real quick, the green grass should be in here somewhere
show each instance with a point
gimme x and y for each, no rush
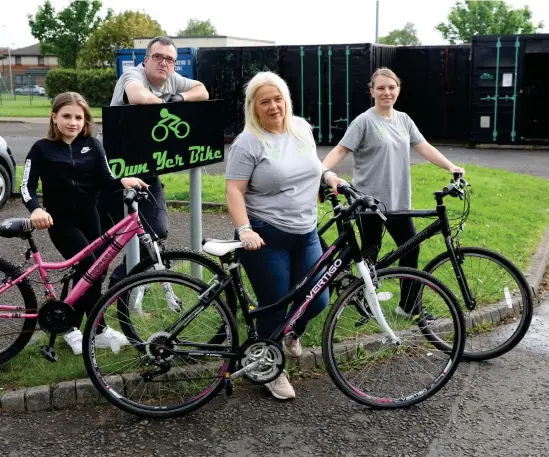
(23, 106)
(509, 213)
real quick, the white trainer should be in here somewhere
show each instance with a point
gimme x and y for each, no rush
(74, 340)
(292, 346)
(110, 338)
(281, 388)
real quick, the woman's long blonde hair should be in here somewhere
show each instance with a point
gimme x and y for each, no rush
(251, 118)
(64, 99)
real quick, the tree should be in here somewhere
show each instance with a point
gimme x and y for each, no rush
(117, 32)
(402, 37)
(470, 18)
(64, 33)
(196, 27)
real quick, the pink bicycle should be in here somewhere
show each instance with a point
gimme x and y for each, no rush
(55, 316)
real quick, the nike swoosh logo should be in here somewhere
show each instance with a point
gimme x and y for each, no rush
(84, 150)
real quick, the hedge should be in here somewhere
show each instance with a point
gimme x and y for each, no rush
(96, 86)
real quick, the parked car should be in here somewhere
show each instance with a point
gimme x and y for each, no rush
(7, 172)
(28, 90)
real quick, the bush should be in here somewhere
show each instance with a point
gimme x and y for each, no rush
(60, 80)
(96, 86)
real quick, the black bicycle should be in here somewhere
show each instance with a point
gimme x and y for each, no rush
(497, 301)
(373, 354)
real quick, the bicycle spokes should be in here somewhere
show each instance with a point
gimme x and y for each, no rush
(157, 368)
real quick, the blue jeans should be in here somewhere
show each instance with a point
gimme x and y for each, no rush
(277, 267)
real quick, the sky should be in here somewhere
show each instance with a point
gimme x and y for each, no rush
(282, 21)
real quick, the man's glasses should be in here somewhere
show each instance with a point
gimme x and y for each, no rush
(158, 58)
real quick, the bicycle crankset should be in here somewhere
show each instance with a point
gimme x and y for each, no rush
(269, 358)
(56, 316)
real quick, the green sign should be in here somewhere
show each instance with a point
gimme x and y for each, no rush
(147, 140)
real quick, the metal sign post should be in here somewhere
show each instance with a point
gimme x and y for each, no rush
(196, 217)
(131, 251)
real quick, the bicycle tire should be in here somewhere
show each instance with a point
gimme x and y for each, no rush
(29, 325)
(526, 297)
(184, 255)
(332, 349)
(112, 392)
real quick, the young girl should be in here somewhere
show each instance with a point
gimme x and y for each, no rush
(72, 167)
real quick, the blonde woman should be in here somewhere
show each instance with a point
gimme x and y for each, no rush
(380, 140)
(272, 180)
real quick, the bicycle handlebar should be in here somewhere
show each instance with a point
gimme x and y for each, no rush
(133, 194)
(357, 199)
(454, 189)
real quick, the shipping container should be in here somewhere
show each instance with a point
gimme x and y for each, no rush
(328, 85)
(185, 65)
(220, 70)
(509, 90)
(383, 56)
(435, 88)
(225, 71)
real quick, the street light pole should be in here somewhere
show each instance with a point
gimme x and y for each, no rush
(11, 77)
(377, 20)
(9, 57)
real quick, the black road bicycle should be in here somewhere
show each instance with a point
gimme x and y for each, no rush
(496, 299)
(178, 360)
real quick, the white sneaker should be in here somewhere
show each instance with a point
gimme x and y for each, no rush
(74, 340)
(281, 388)
(292, 346)
(110, 338)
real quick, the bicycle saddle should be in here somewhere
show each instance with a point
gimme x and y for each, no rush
(220, 247)
(15, 227)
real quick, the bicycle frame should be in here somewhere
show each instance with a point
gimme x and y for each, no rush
(129, 226)
(441, 225)
(345, 245)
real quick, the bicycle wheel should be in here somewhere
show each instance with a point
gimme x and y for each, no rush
(504, 301)
(15, 333)
(147, 376)
(364, 362)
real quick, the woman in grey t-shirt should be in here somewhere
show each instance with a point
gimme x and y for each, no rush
(380, 140)
(272, 181)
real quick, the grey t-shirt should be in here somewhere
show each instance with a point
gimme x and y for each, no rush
(283, 178)
(381, 156)
(174, 85)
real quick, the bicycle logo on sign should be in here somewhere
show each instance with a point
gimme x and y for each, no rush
(169, 122)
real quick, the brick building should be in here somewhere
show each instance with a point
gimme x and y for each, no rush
(28, 66)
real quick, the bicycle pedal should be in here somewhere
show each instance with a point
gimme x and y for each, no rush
(49, 353)
(229, 387)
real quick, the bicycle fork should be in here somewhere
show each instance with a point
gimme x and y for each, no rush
(373, 302)
(136, 297)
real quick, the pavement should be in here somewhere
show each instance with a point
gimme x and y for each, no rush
(496, 408)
